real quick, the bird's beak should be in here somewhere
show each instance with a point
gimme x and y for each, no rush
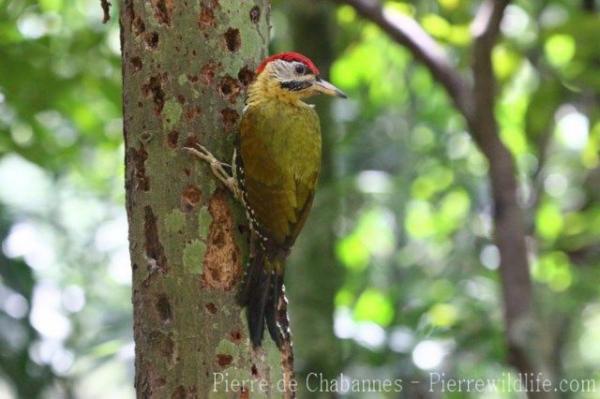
(323, 86)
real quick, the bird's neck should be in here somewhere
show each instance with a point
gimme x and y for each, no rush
(266, 89)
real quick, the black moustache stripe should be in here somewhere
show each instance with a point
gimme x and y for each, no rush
(295, 85)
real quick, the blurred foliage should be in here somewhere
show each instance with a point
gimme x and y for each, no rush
(64, 276)
(419, 289)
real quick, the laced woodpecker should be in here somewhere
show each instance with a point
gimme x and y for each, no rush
(276, 167)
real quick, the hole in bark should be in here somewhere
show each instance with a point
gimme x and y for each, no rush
(206, 18)
(139, 157)
(246, 75)
(208, 72)
(255, 14)
(172, 139)
(236, 336)
(138, 26)
(211, 308)
(220, 271)
(254, 370)
(224, 360)
(181, 99)
(162, 11)
(154, 249)
(154, 89)
(129, 9)
(225, 89)
(136, 62)
(190, 197)
(163, 307)
(152, 40)
(230, 88)
(179, 393)
(191, 140)
(230, 118)
(192, 111)
(233, 39)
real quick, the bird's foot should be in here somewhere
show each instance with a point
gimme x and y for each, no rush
(218, 168)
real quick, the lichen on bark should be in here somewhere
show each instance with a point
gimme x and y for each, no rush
(186, 67)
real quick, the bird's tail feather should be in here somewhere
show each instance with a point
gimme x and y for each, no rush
(263, 286)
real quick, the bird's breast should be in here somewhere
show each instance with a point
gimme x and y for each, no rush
(289, 135)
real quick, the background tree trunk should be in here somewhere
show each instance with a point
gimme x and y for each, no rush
(186, 66)
(313, 265)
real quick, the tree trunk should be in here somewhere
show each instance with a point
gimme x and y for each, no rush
(313, 266)
(186, 67)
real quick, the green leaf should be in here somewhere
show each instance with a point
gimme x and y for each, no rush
(559, 49)
(443, 315)
(549, 221)
(419, 222)
(554, 269)
(373, 236)
(436, 25)
(454, 209)
(352, 252)
(505, 61)
(373, 306)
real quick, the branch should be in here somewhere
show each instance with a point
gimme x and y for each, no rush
(487, 21)
(408, 33)
(485, 29)
(523, 331)
(105, 4)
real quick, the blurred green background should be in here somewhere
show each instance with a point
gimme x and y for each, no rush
(395, 274)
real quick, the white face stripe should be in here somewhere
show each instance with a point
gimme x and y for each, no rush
(285, 71)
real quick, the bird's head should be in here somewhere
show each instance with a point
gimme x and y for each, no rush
(290, 77)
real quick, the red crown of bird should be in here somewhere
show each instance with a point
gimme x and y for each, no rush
(289, 56)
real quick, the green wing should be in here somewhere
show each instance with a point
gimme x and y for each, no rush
(280, 148)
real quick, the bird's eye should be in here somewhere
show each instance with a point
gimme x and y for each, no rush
(300, 69)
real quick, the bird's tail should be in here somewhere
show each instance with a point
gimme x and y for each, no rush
(260, 294)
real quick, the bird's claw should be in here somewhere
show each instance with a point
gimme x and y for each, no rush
(201, 152)
(217, 168)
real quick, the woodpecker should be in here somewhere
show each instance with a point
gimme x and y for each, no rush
(274, 174)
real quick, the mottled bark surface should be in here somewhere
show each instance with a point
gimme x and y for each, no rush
(186, 67)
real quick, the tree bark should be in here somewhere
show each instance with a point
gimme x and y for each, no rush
(186, 67)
